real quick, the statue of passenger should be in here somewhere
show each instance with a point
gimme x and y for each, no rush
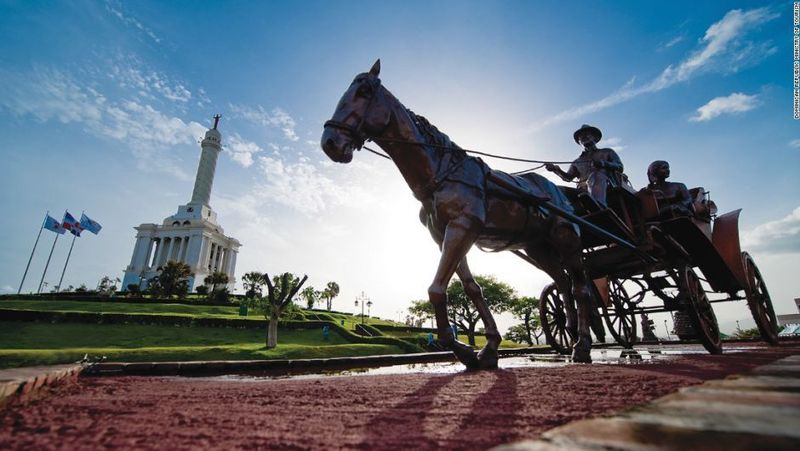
(596, 169)
(673, 198)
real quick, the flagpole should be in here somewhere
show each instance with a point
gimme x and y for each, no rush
(47, 264)
(58, 287)
(28, 266)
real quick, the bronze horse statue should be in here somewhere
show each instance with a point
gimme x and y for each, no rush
(463, 204)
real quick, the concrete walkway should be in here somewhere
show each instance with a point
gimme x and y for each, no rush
(757, 411)
(27, 382)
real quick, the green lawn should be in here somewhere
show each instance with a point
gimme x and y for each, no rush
(209, 311)
(26, 344)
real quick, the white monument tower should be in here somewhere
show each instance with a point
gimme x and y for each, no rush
(192, 235)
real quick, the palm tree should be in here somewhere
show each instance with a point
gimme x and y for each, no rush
(330, 292)
(311, 296)
(172, 279)
(253, 283)
(216, 278)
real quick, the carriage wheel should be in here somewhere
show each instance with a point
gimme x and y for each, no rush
(760, 303)
(700, 312)
(553, 317)
(619, 316)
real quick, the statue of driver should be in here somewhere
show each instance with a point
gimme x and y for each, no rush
(596, 169)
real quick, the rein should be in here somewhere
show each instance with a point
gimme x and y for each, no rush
(440, 146)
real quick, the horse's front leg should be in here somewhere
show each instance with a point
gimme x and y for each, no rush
(581, 350)
(458, 237)
(488, 355)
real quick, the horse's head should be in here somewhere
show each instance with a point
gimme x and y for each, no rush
(360, 115)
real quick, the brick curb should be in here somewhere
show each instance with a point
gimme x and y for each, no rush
(24, 383)
(758, 410)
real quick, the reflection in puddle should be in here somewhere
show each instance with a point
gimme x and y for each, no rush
(605, 356)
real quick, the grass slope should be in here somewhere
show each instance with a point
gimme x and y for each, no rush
(25, 344)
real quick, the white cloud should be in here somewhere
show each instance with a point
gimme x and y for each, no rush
(241, 150)
(127, 19)
(7, 289)
(722, 49)
(779, 237)
(795, 143)
(48, 94)
(674, 41)
(276, 118)
(303, 187)
(130, 73)
(615, 143)
(732, 104)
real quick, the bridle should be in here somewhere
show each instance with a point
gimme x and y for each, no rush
(356, 132)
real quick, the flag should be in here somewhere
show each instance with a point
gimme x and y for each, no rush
(52, 225)
(71, 224)
(89, 224)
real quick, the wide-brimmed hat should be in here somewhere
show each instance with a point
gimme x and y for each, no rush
(587, 129)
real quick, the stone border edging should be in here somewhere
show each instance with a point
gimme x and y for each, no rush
(24, 383)
(757, 410)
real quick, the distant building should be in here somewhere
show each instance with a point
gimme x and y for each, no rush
(192, 235)
(793, 318)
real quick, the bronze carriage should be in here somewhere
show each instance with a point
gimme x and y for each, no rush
(663, 258)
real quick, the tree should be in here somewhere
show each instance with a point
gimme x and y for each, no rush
(134, 290)
(526, 309)
(747, 333)
(420, 311)
(331, 291)
(517, 334)
(253, 283)
(172, 280)
(107, 286)
(280, 291)
(311, 296)
(216, 278)
(499, 297)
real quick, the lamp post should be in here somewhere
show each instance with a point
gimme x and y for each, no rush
(666, 329)
(364, 300)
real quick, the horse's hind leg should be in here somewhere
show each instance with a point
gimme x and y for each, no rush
(569, 245)
(549, 261)
(488, 355)
(459, 236)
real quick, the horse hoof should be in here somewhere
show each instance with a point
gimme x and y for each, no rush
(465, 355)
(488, 359)
(581, 356)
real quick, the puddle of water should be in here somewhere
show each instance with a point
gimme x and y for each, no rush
(607, 356)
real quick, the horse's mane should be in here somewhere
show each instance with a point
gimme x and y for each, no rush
(432, 134)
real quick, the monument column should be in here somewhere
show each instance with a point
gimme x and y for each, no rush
(159, 252)
(211, 146)
(151, 243)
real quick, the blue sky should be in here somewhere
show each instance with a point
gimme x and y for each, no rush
(103, 103)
